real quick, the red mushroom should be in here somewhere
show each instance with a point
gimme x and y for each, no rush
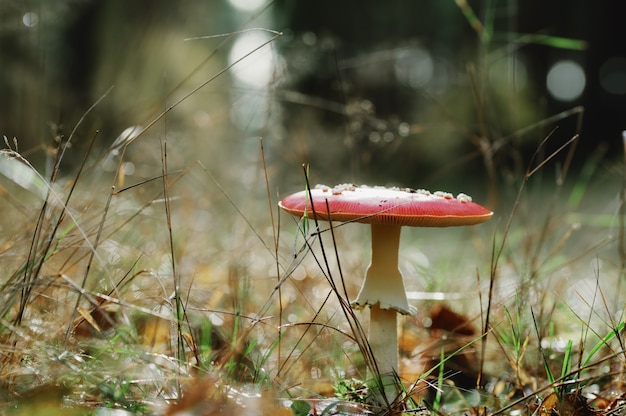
(387, 210)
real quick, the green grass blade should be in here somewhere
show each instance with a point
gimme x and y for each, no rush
(567, 357)
(603, 342)
(437, 401)
(556, 42)
(473, 20)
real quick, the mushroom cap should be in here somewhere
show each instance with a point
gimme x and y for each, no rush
(394, 206)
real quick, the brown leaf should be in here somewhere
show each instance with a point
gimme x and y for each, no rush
(549, 406)
(575, 404)
(87, 316)
(95, 320)
(444, 318)
(572, 404)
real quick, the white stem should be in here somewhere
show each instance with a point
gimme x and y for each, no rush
(383, 340)
(383, 290)
(383, 284)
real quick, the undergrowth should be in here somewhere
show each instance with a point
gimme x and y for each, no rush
(170, 294)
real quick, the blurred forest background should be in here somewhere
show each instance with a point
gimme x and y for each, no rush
(413, 93)
(453, 95)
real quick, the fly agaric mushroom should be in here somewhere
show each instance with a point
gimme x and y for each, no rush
(387, 210)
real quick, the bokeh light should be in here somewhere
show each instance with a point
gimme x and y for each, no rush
(30, 19)
(414, 66)
(252, 77)
(246, 5)
(566, 80)
(613, 75)
(256, 70)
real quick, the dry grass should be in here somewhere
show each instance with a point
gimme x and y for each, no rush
(183, 290)
(131, 298)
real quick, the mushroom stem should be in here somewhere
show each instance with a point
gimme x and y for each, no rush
(383, 283)
(383, 340)
(383, 289)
